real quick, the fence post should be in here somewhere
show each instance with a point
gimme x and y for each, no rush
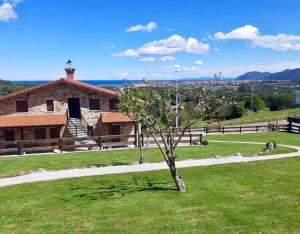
(256, 128)
(60, 144)
(20, 147)
(100, 142)
(201, 138)
(206, 130)
(223, 130)
(191, 139)
(273, 128)
(290, 126)
(240, 129)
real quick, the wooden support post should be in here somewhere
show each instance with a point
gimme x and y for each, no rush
(201, 138)
(206, 130)
(191, 139)
(240, 129)
(256, 128)
(20, 147)
(61, 144)
(100, 142)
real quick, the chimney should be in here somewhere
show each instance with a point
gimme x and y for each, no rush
(70, 73)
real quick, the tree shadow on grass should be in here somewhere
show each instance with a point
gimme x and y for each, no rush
(115, 189)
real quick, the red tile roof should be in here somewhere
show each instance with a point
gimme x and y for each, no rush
(74, 83)
(10, 121)
(115, 117)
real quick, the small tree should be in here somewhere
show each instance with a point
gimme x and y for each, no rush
(152, 108)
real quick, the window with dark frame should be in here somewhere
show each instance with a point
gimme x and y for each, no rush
(54, 133)
(113, 103)
(9, 135)
(50, 105)
(21, 106)
(94, 104)
(40, 133)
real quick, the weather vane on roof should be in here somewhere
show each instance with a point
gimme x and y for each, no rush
(69, 63)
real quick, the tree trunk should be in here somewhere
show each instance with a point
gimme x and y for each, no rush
(176, 176)
(178, 180)
(142, 155)
(142, 151)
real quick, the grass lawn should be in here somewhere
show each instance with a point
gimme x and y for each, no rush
(263, 116)
(257, 197)
(279, 137)
(9, 166)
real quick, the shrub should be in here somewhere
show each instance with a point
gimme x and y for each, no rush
(268, 145)
(204, 142)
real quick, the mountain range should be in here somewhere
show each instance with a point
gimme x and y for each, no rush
(288, 74)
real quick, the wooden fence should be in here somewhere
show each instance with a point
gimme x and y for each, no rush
(192, 136)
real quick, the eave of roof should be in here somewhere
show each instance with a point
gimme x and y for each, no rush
(78, 84)
(115, 117)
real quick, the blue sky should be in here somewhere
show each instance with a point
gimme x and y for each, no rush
(137, 39)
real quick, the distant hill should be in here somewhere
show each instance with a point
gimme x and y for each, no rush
(289, 74)
(255, 75)
(7, 87)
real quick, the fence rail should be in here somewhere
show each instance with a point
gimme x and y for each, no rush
(192, 136)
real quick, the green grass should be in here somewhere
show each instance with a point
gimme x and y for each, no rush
(9, 166)
(257, 197)
(279, 137)
(257, 117)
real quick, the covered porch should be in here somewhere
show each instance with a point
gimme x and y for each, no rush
(31, 127)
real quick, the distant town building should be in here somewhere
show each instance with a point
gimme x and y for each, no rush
(298, 97)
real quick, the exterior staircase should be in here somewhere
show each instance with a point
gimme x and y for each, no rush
(77, 130)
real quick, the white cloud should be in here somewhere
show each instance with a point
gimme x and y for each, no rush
(127, 53)
(146, 28)
(174, 44)
(147, 59)
(179, 68)
(279, 42)
(248, 32)
(227, 70)
(198, 62)
(167, 58)
(7, 12)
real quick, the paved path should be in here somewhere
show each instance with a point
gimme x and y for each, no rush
(74, 173)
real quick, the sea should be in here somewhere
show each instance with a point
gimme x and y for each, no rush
(118, 82)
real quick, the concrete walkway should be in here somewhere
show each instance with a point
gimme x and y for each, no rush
(75, 173)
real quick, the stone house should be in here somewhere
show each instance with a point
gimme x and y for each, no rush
(64, 108)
